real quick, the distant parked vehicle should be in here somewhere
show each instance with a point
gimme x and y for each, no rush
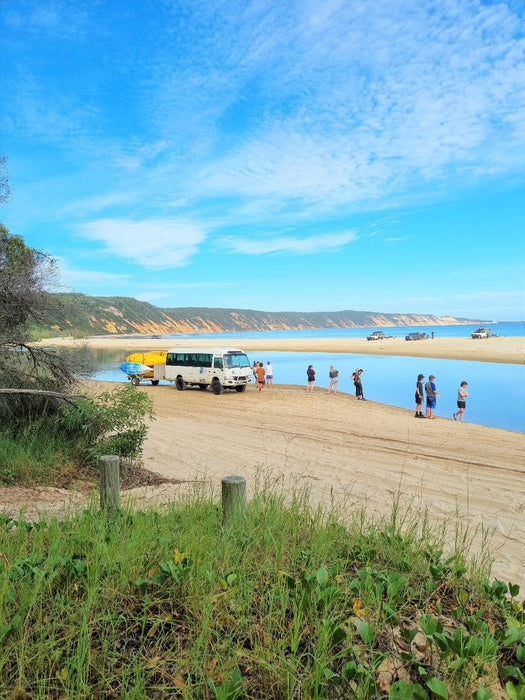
(482, 332)
(378, 335)
(416, 336)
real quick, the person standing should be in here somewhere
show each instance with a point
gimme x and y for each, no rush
(356, 376)
(310, 373)
(462, 402)
(269, 374)
(432, 393)
(419, 396)
(333, 375)
(259, 372)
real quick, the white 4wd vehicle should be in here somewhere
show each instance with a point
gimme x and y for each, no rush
(482, 333)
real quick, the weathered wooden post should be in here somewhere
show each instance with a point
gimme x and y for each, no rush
(109, 482)
(233, 496)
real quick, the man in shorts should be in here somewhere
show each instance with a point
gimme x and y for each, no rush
(431, 392)
(259, 374)
(269, 374)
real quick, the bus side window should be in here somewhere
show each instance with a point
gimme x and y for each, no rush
(217, 362)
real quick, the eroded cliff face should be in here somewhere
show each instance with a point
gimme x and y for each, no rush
(122, 315)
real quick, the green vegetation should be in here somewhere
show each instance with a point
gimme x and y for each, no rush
(79, 315)
(282, 602)
(50, 449)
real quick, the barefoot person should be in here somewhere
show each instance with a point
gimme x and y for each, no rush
(419, 396)
(462, 402)
(356, 376)
(333, 376)
(432, 393)
(310, 373)
(259, 372)
(269, 374)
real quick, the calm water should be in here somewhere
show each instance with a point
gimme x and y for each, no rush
(497, 391)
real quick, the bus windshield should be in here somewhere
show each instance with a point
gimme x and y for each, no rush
(237, 359)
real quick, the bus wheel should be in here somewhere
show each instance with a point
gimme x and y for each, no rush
(154, 382)
(240, 388)
(135, 381)
(180, 384)
(216, 386)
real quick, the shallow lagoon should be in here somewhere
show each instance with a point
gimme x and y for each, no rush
(497, 391)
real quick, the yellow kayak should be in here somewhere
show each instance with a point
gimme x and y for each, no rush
(151, 358)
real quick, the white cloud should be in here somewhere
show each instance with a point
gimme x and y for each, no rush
(153, 243)
(290, 245)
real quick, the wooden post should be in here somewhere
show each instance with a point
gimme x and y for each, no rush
(109, 482)
(233, 496)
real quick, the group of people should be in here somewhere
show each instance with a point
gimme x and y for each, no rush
(262, 376)
(333, 376)
(429, 389)
(426, 390)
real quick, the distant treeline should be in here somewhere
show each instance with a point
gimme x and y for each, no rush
(80, 315)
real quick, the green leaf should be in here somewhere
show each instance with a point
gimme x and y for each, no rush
(322, 576)
(349, 670)
(514, 589)
(438, 688)
(401, 690)
(366, 632)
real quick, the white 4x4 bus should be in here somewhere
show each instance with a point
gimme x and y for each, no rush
(220, 368)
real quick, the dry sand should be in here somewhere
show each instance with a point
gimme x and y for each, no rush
(504, 349)
(364, 453)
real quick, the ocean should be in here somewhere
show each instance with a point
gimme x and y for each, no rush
(497, 391)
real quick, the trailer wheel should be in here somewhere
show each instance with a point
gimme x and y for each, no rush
(135, 381)
(154, 382)
(240, 388)
(216, 386)
(180, 383)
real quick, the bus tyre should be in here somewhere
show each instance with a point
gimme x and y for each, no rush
(240, 388)
(216, 386)
(135, 381)
(180, 383)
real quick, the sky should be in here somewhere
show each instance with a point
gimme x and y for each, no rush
(282, 156)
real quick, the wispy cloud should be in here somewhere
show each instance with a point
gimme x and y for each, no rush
(290, 245)
(152, 243)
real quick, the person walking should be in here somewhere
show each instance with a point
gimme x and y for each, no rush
(432, 393)
(356, 376)
(310, 373)
(259, 372)
(333, 375)
(269, 374)
(419, 396)
(462, 402)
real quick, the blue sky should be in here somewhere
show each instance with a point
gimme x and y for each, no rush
(294, 155)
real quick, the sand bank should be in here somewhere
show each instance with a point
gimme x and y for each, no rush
(504, 349)
(361, 453)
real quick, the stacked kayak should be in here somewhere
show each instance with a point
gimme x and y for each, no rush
(140, 365)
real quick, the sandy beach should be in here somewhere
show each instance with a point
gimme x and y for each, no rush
(361, 453)
(498, 349)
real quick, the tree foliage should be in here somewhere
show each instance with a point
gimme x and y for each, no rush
(24, 275)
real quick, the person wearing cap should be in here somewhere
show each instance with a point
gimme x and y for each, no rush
(431, 392)
(419, 396)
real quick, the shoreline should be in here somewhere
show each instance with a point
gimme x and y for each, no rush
(507, 350)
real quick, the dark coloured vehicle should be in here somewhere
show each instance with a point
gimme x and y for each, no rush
(416, 336)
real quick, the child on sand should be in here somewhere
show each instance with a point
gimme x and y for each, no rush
(431, 392)
(419, 396)
(269, 374)
(462, 401)
(259, 372)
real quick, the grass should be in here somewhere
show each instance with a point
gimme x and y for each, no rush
(284, 601)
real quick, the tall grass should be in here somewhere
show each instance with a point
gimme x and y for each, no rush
(284, 601)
